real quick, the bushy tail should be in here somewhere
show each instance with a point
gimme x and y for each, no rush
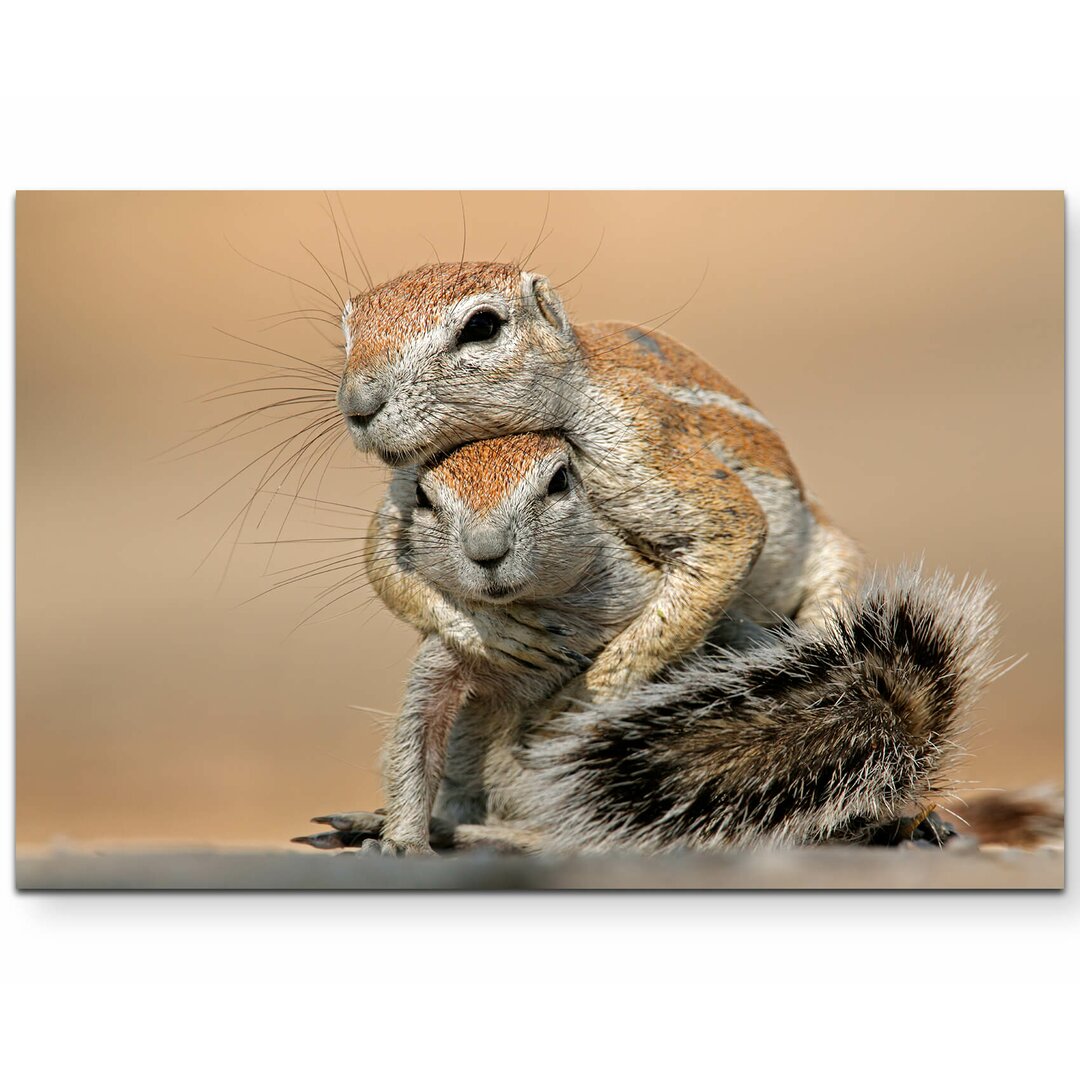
(794, 741)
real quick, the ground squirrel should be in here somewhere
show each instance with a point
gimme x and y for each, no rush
(675, 458)
(497, 554)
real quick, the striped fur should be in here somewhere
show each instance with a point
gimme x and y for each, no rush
(797, 741)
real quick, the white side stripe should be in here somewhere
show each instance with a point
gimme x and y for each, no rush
(695, 395)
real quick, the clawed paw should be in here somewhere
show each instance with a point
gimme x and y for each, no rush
(351, 830)
(514, 638)
(361, 830)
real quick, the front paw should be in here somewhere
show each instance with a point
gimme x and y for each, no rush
(351, 830)
(363, 831)
(513, 639)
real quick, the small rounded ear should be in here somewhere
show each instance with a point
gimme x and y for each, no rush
(538, 293)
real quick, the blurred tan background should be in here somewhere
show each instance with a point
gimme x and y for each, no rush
(909, 346)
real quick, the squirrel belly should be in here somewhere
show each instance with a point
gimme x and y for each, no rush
(792, 742)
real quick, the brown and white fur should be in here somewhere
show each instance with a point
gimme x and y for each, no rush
(499, 556)
(496, 554)
(676, 459)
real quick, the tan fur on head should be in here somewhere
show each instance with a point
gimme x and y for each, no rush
(482, 474)
(388, 316)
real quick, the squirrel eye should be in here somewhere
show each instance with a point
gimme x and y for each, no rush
(482, 326)
(421, 499)
(559, 482)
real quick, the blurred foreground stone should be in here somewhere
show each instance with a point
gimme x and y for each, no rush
(959, 866)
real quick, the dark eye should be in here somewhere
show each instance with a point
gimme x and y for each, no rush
(559, 482)
(482, 326)
(422, 500)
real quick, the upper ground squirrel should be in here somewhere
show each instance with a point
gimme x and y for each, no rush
(497, 554)
(674, 457)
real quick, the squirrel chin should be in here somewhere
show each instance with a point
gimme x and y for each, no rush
(395, 458)
(501, 594)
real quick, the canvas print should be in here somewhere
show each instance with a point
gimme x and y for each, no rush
(540, 540)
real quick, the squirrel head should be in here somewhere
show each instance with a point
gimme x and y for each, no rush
(502, 520)
(454, 352)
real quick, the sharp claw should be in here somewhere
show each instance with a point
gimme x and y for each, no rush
(322, 841)
(576, 656)
(352, 822)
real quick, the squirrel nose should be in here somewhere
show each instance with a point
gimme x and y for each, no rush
(486, 544)
(360, 399)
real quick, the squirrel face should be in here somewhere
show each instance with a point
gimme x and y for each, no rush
(503, 520)
(454, 352)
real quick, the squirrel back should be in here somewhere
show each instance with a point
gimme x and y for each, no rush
(800, 740)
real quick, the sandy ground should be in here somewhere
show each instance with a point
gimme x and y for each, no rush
(960, 866)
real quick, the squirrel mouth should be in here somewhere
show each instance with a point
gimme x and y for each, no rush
(500, 592)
